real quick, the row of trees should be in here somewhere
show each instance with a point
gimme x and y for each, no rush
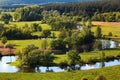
(78, 40)
(108, 17)
(25, 32)
(85, 8)
(28, 13)
(61, 22)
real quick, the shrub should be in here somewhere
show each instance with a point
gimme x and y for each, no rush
(100, 77)
(110, 34)
(84, 78)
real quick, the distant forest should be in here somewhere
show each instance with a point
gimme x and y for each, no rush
(85, 8)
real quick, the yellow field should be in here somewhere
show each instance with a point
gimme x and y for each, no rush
(107, 27)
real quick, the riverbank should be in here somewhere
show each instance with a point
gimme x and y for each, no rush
(111, 73)
(86, 57)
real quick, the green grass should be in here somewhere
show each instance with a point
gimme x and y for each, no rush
(23, 43)
(21, 24)
(88, 55)
(56, 33)
(106, 29)
(111, 73)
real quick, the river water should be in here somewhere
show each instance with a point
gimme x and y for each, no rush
(4, 67)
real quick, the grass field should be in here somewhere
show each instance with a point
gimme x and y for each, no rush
(89, 55)
(23, 43)
(21, 24)
(107, 27)
(111, 73)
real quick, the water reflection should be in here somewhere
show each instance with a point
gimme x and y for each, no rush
(4, 67)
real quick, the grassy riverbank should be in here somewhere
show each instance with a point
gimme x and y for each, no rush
(111, 73)
(87, 57)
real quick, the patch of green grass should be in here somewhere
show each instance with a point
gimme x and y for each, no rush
(88, 55)
(111, 73)
(106, 29)
(21, 24)
(22, 43)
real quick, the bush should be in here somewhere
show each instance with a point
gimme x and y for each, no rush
(84, 78)
(110, 34)
(100, 77)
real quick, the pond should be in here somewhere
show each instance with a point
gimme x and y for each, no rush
(4, 67)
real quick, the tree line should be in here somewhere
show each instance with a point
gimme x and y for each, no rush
(85, 8)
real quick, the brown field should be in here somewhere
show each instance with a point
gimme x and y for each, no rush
(106, 23)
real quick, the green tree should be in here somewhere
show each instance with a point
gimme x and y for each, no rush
(46, 33)
(44, 44)
(98, 33)
(6, 18)
(58, 45)
(73, 58)
(1, 28)
(89, 23)
(35, 27)
(47, 58)
(4, 40)
(25, 53)
(34, 58)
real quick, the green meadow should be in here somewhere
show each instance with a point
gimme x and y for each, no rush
(22, 43)
(86, 56)
(110, 73)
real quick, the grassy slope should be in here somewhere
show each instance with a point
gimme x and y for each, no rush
(111, 73)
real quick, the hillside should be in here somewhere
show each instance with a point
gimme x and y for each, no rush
(11, 2)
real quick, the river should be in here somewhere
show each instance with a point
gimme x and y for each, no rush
(4, 67)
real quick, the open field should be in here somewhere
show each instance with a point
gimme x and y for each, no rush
(21, 24)
(107, 27)
(111, 73)
(22, 43)
(106, 23)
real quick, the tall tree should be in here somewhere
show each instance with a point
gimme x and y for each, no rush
(73, 58)
(4, 40)
(98, 33)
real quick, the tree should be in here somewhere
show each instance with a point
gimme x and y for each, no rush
(98, 33)
(44, 44)
(46, 33)
(34, 58)
(24, 54)
(6, 18)
(89, 23)
(73, 58)
(1, 28)
(4, 40)
(35, 27)
(58, 45)
(47, 58)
